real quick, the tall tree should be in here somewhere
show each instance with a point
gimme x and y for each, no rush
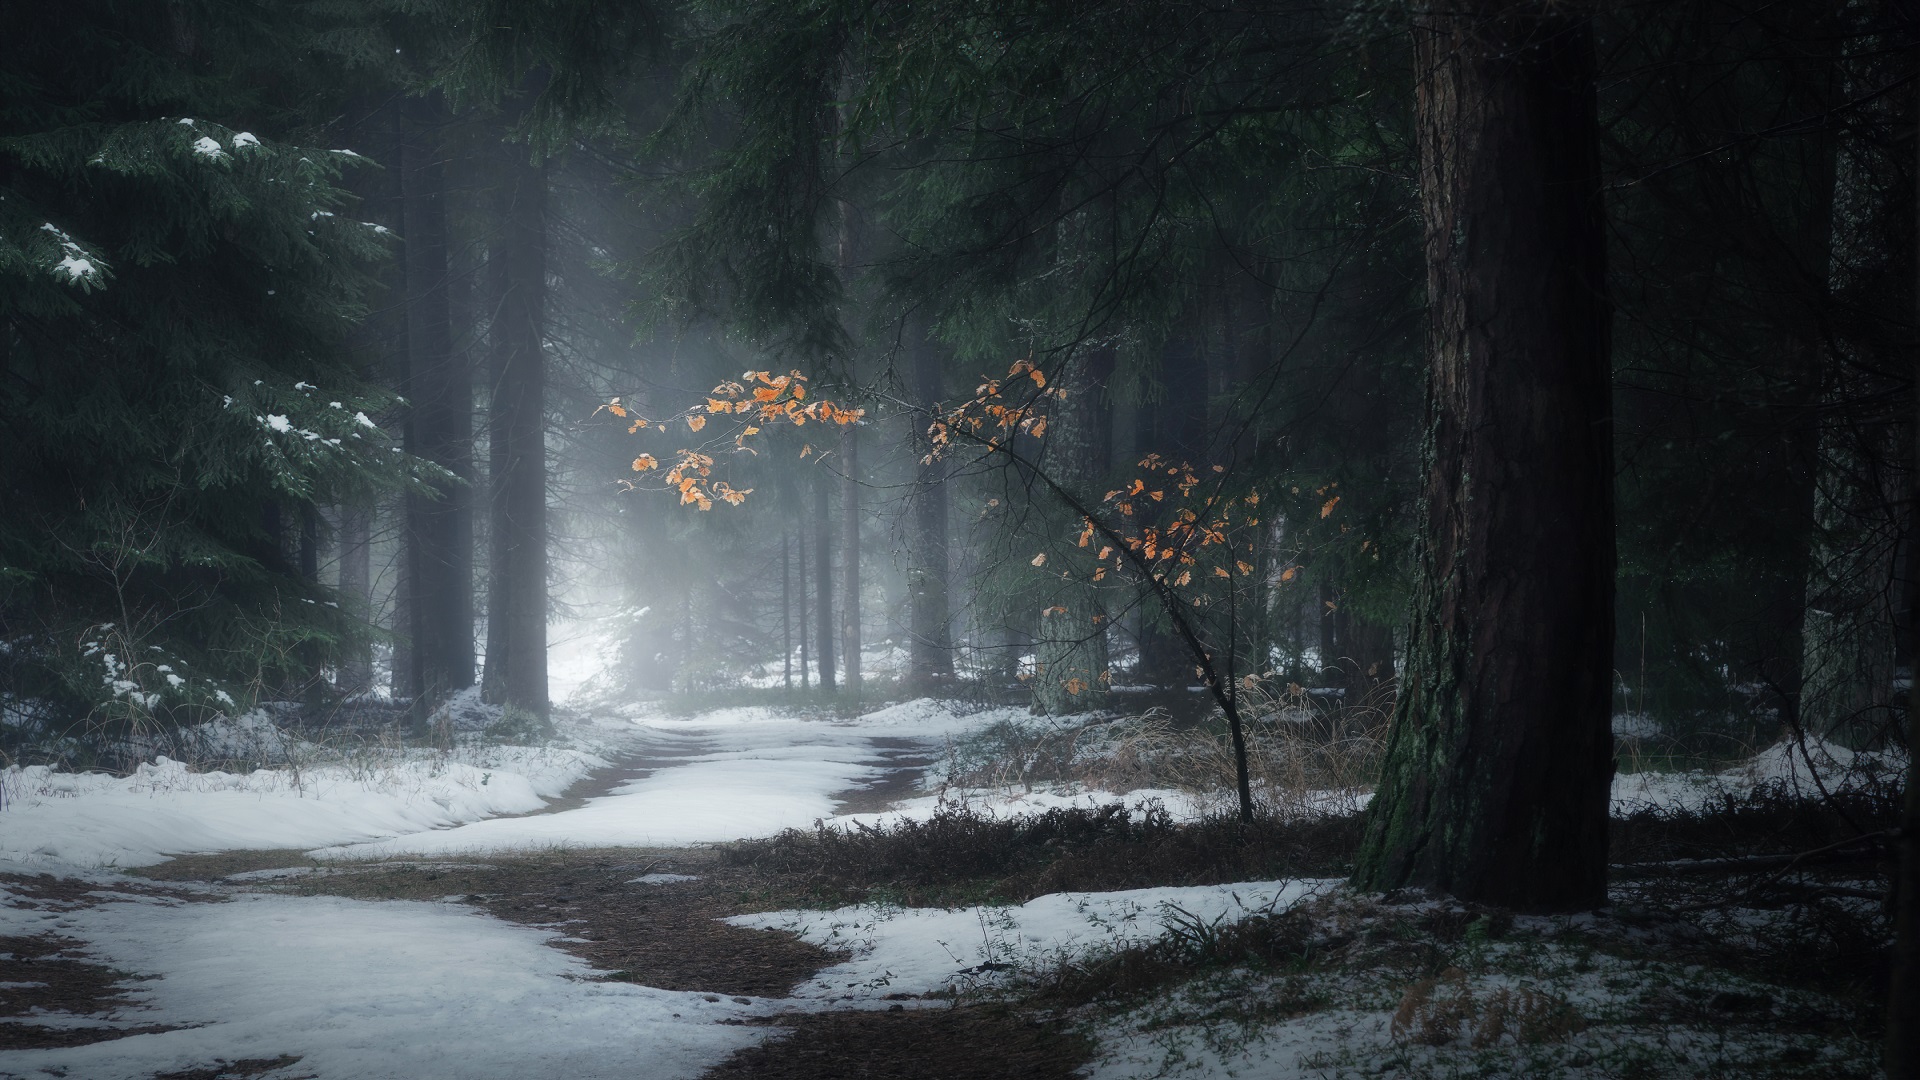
(823, 577)
(930, 648)
(439, 425)
(1499, 761)
(850, 484)
(516, 673)
(1072, 669)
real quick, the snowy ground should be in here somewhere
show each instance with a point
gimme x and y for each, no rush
(409, 989)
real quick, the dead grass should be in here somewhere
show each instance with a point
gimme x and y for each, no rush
(983, 1042)
(961, 856)
(1306, 755)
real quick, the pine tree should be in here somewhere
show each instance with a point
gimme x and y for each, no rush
(179, 277)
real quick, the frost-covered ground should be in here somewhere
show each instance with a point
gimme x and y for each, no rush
(366, 991)
(923, 951)
(362, 989)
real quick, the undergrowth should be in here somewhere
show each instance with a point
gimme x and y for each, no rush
(960, 855)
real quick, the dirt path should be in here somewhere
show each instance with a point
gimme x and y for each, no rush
(647, 916)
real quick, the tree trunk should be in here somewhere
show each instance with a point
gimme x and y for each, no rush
(1495, 787)
(805, 678)
(850, 558)
(1903, 983)
(823, 577)
(930, 660)
(516, 418)
(1848, 636)
(1178, 433)
(786, 611)
(439, 422)
(356, 594)
(1072, 670)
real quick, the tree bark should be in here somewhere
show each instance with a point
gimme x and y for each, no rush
(823, 578)
(517, 592)
(1903, 983)
(439, 422)
(930, 659)
(356, 594)
(1072, 668)
(1495, 787)
(850, 558)
(1178, 433)
(805, 678)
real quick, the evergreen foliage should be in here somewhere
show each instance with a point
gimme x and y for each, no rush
(179, 273)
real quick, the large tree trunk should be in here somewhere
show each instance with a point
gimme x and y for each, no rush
(516, 418)
(439, 423)
(823, 577)
(1848, 636)
(930, 652)
(1903, 984)
(1072, 671)
(1495, 787)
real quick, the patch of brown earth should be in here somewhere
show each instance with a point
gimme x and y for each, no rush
(907, 760)
(984, 1042)
(662, 935)
(244, 1069)
(44, 974)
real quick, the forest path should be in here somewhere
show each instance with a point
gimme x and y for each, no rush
(580, 940)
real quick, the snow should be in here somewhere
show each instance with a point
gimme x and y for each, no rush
(95, 820)
(244, 138)
(75, 268)
(208, 147)
(277, 422)
(369, 991)
(930, 950)
(734, 772)
(1782, 764)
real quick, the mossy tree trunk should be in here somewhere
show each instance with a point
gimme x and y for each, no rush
(1496, 781)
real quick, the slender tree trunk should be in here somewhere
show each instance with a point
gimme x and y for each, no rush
(517, 595)
(1498, 766)
(805, 679)
(1072, 669)
(1178, 433)
(930, 660)
(823, 577)
(356, 594)
(440, 391)
(850, 558)
(786, 611)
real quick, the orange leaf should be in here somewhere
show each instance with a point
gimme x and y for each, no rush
(617, 409)
(1245, 567)
(1288, 573)
(1218, 572)
(1328, 507)
(645, 462)
(1040, 559)
(696, 422)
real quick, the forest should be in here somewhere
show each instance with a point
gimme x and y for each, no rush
(958, 540)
